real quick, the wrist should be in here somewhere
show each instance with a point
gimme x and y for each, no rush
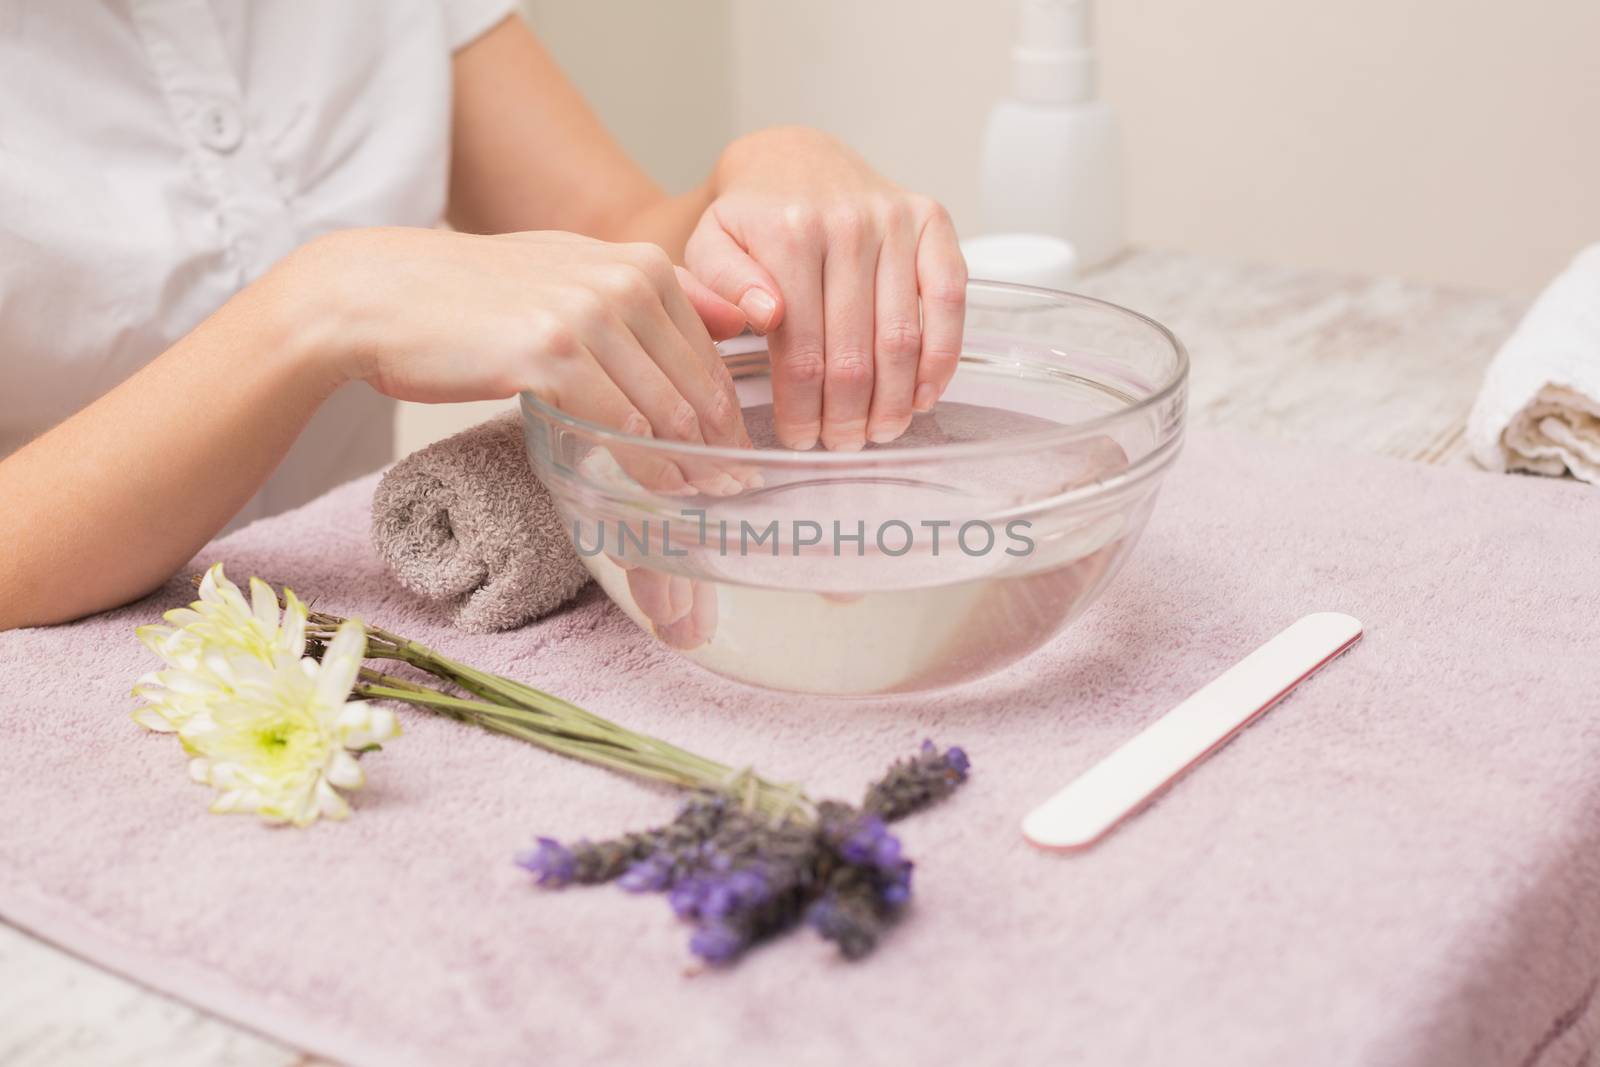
(314, 321)
(775, 144)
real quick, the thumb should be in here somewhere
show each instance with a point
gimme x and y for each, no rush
(723, 320)
(723, 264)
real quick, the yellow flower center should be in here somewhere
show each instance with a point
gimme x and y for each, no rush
(288, 741)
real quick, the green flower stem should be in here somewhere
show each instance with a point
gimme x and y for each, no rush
(486, 685)
(505, 692)
(393, 688)
(511, 707)
(539, 718)
(499, 689)
(491, 717)
(520, 711)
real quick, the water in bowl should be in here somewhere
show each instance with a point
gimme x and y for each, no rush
(838, 599)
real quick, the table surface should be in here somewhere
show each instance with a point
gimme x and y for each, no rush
(1374, 365)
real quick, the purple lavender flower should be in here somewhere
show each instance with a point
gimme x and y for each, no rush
(587, 863)
(886, 853)
(741, 878)
(748, 885)
(913, 784)
(649, 875)
(716, 899)
(861, 839)
(823, 913)
(551, 862)
(847, 921)
(718, 896)
(860, 845)
(895, 892)
(755, 879)
(717, 942)
(686, 897)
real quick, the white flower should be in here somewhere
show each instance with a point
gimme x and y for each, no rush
(274, 731)
(284, 752)
(219, 646)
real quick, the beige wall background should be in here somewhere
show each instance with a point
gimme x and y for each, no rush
(1442, 140)
(1445, 140)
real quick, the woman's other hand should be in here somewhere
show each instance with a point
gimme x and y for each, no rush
(611, 333)
(860, 284)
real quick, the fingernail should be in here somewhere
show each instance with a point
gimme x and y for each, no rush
(759, 307)
(725, 485)
(753, 480)
(802, 442)
(680, 598)
(927, 396)
(669, 481)
(883, 433)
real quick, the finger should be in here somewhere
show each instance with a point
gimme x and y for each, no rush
(662, 598)
(575, 383)
(897, 333)
(847, 298)
(942, 284)
(796, 349)
(722, 320)
(724, 265)
(703, 377)
(698, 625)
(695, 377)
(622, 355)
(637, 357)
(646, 291)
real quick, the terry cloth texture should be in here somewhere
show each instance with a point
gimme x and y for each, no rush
(465, 521)
(1399, 864)
(1539, 409)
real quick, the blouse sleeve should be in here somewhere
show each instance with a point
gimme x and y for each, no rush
(467, 20)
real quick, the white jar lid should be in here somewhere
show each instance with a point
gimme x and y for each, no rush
(1021, 258)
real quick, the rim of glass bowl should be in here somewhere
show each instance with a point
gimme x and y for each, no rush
(916, 453)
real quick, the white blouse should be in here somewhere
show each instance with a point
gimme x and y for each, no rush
(158, 155)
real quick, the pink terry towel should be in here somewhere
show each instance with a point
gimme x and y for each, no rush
(1398, 865)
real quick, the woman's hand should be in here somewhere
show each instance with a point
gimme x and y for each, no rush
(861, 285)
(611, 333)
(111, 502)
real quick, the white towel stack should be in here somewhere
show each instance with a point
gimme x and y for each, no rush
(1539, 409)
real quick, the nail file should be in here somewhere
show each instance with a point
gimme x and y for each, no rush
(1123, 782)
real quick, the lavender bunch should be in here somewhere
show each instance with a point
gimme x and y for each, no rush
(741, 876)
(745, 859)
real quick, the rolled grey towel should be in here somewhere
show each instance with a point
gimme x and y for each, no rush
(465, 520)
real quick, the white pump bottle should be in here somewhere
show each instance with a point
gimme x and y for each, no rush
(1050, 160)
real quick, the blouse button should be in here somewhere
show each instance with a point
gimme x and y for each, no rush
(221, 129)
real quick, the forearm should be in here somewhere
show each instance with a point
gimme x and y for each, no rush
(666, 222)
(107, 505)
(528, 153)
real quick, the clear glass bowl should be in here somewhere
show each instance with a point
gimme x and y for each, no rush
(926, 562)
